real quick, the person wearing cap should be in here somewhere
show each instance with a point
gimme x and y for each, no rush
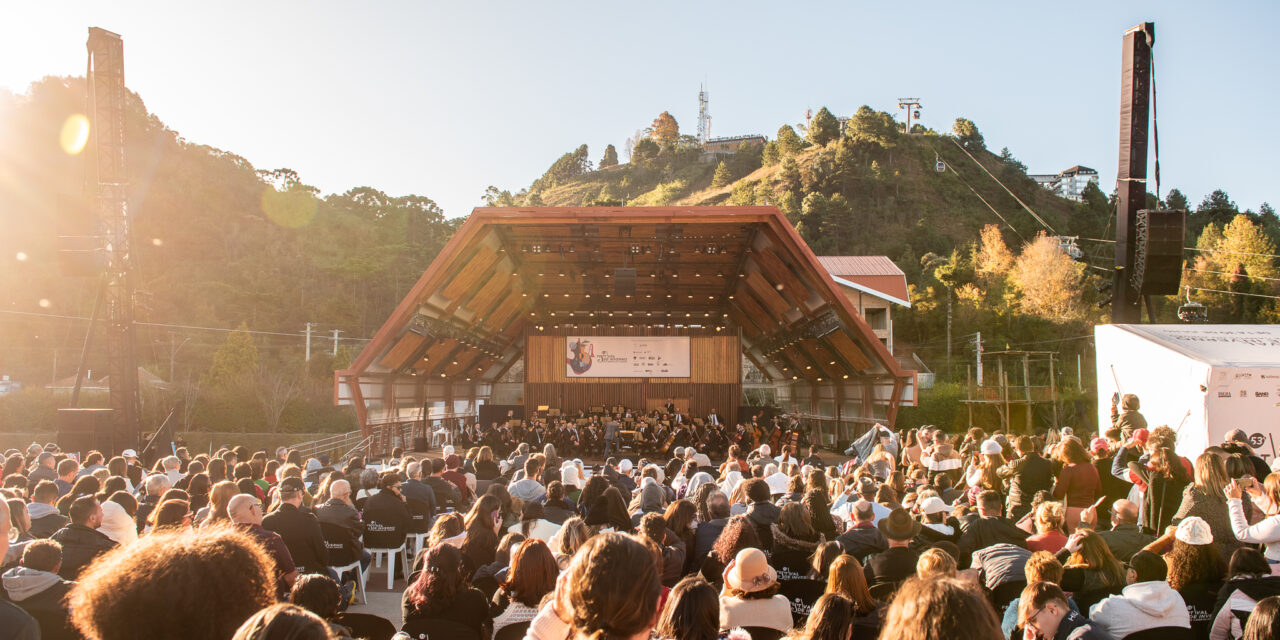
(1196, 571)
(1124, 414)
(750, 597)
(863, 538)
(299, 530)
(1146, 603)
(981, 474)
(887, 569)
(934, 518)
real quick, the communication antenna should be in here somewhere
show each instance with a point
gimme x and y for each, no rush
(704, 115)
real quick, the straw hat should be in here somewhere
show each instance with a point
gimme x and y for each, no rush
(750, 572)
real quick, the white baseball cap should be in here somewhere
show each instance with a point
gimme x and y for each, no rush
(1194, 530)
(932, 505)
(128, 453)
(990, 447)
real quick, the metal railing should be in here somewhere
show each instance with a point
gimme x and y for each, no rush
(338, 447)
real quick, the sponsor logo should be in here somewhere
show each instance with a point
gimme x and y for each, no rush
(1224, 394)
(1244, 394)
(1240, 376)
(1261, 394)
(1257, 440)
(1267, 376)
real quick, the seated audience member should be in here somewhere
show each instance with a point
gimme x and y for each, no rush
(863, 538)
(986, 528)
(794, 541)
(300, 530)
(40, 591)
(706, 533)
(1001, 569)
(320, 595)
(441, 593)
(1090, 572)
(887, 569)
(761, 510)
(1249, 579)
(1049, 521)
(340, 511)
(245, 510)
(173, 586)
(534, 523)
(935, 563)
(1196, 571)
(117, 524)
(414, 488)
(386, 517)
(284, 622)
(1043, 610)
(610, 590)
(446, 493)
(528, 488)
(45, 518)
(155, 486)
(845, 577)
(1146, 603)
(691, 612)
(1123, 538)
(81, 541)
(1042, 566)
(532, 575)
(556, 507)
(737, 535)
(832, 618)
(454, 475)
(1264, 622)
(940, 609)
(750, 597)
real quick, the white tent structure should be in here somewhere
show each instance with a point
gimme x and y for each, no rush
(1202, 380)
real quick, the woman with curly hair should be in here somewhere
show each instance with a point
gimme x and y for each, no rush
(1196, 570)
(190, 587)
(820, 512)
(441, 593)
(591, 492)
(738, 534)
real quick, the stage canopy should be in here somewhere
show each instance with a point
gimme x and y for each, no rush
(511, 271)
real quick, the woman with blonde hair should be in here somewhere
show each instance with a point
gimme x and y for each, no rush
(1049, 519)
(935, 563)
(572, 535)
(219, 497)
(1206, 499)
(981, 473)
(1091, 573)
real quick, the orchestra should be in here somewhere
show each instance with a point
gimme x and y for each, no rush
(659, 430)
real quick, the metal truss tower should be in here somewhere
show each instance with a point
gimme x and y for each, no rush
(704, 115)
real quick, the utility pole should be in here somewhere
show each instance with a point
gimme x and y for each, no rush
(335, 341)
(977, 339)
(308, 342)
(909, 104)
(173, 355)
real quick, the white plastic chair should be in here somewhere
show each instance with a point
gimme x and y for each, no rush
(391, 559)
(362, 576)
(413, 543)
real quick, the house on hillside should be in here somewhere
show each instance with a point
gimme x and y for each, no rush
(874, 284)
(717, 148)
(1070, 183)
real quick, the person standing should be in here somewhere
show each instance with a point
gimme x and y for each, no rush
(1028, 474)
(610, 437)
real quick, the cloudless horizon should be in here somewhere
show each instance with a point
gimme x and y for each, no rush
(445, 99)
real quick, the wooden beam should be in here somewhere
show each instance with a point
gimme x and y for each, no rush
(402, 352)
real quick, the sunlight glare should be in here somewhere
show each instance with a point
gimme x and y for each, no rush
(44, 303)
(75, 133)
(22, 256)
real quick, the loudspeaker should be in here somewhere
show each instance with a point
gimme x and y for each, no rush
(624, 281)
(80, 430)
(1157, 251)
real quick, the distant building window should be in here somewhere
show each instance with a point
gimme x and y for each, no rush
(878, 319)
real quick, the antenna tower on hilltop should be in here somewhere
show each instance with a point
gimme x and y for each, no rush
(704, 115)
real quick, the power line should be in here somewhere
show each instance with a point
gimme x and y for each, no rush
(1240, 253)
(1015, 197)
(174, 326)
(1235, 275)
(984, 200)
(1236, 293)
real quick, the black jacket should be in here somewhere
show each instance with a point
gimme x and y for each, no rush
(386, 520)
(344, 515)
(80, 545)
(50, 612)
(1125, 540)
(1027, 475)
(861, 542)
(301, 533)
(763, 515)
(977, 532)
(891, 566)
(446, 493)
(704, 537)
(45, 526)
(1162, 498)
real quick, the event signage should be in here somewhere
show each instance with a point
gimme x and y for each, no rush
(627, 357)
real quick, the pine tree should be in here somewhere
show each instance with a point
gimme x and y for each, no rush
(823, 128)
(788, 142)
(235, 362)
(722, 176)
(968, 135)
(610, 158)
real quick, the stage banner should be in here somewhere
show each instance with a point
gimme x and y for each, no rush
(627, 357)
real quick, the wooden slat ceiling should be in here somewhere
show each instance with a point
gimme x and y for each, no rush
(524, 270)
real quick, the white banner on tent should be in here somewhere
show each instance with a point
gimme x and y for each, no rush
(627, 357)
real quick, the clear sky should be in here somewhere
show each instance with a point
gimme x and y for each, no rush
(444, 99)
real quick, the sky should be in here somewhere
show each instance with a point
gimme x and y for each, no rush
(445, 99)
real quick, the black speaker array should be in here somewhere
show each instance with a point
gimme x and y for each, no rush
(1157, 254)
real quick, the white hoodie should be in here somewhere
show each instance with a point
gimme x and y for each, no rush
(1142, 605)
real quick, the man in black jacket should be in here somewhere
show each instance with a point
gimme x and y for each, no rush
(81, 541)
(299, 530)
(45, 519)
(1123, 538)
(1027, 475)
(446, 493)
(340, 511)
(704, 537)
(762, 512)
(39, 590)
(863, 538)
(987, 528)
(886, 570)
(385, 515)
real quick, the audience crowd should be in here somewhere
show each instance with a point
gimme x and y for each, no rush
(915, 535)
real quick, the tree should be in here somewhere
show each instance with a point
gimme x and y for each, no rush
(869, 125)
(235, 362)
(1175, 200)
(968, 135)
(722, 176)
(498, 198)
(770, 155)
(1048, 281)
(788, 142)
(610, 158)
(665, 130)
(993, 260)
(823, 128)
(274, 391)
(644, 152)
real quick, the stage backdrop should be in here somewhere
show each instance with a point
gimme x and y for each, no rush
(712, 379)
(627, 357)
